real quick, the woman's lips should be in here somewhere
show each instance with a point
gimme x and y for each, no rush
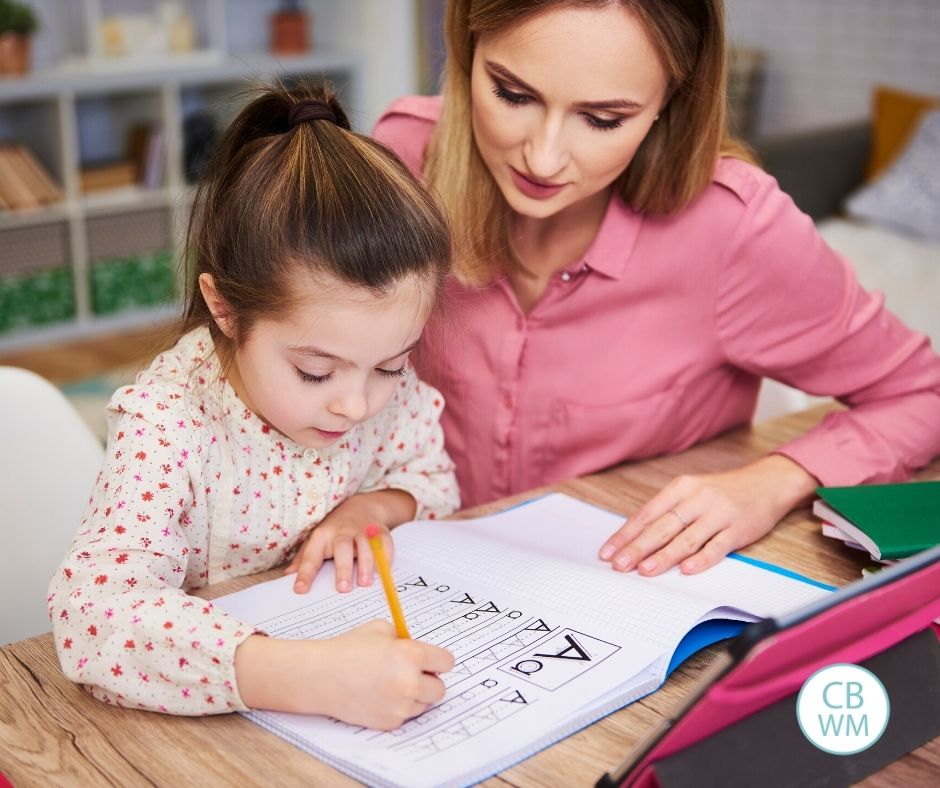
(537, 190)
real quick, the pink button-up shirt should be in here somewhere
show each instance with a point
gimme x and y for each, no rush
(658, 339)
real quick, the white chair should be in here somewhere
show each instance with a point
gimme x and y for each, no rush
(48, 463)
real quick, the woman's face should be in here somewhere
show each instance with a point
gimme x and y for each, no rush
(561, 102)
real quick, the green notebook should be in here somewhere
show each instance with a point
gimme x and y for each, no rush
(899, 519)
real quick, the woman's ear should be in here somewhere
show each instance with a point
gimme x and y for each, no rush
(217, 307)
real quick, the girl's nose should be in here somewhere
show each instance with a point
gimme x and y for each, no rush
(353, 406)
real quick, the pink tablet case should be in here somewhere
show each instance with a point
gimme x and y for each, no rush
(777, 666)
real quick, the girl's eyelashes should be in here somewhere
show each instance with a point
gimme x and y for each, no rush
(521, 99)
(306, 377)
(394, 373)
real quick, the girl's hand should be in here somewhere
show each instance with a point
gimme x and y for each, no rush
(695, 521)
(366, 676)
(341, 536)
(382, 680)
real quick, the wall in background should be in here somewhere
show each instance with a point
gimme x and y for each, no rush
(824, 56)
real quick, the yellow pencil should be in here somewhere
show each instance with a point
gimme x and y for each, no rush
(385, 572)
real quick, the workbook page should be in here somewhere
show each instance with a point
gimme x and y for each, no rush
(546, 637)
(525, 674)
(548, 548)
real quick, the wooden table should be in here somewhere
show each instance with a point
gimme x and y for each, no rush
(52, 733)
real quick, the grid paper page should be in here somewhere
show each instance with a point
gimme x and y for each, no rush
(542, 645)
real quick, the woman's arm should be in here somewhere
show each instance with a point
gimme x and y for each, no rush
(788, 307)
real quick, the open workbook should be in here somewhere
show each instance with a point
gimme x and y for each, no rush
(546, 637)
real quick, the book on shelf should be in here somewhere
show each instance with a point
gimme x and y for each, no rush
(146, 147)
(546, 637)
(24, 182)
(142, 165)
(890, 521)
(108, 175)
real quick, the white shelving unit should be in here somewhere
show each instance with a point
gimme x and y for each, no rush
(71, 112)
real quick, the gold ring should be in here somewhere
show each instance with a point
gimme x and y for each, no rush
(685, 523)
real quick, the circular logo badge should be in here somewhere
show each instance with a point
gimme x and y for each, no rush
(843, 709)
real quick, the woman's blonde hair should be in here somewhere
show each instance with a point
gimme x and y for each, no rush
(291, 187)
(672, 166)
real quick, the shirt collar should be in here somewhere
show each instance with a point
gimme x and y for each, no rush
(615, 239)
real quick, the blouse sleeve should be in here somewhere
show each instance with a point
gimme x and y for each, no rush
(410, 455)
(789, 308)
(122, 623)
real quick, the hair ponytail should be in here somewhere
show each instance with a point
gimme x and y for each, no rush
(291, 186)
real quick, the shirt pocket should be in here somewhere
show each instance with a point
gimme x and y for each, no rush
(586, 437)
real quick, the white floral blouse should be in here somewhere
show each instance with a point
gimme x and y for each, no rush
(196, 489)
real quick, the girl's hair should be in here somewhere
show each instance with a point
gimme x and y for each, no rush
(672, 166)
(291, 188)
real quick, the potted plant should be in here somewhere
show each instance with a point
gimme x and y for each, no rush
(17, 24)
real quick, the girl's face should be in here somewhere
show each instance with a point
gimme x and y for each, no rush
(334, 361)
(561, 102)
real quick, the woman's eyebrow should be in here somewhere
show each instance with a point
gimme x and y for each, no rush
(610, 104)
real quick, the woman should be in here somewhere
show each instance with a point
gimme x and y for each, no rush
(627, 277)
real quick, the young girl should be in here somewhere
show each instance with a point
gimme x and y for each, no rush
(287, 406)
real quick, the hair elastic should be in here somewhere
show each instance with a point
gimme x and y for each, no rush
(310, 109)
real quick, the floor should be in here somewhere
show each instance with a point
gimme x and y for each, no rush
(69, 362)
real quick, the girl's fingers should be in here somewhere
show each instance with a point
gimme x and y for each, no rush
(313, 543)
(389, 545)
(364, 560)
(343, 552)
(417, 709)
(308, 565)
(430, 689)
(294, 563)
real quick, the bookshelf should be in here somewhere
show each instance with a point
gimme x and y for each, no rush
(103, 260)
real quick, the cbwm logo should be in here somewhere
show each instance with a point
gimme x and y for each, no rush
(843, 709)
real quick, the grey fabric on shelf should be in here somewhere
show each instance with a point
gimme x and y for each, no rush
(818, 169)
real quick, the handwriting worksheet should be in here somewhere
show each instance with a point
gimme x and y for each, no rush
(543, 645)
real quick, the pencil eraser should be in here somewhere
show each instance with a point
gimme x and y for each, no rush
(372, 531)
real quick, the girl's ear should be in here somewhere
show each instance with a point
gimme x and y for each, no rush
(217, 307)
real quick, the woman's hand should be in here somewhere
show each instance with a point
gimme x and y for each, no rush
(366, 676)
(341, 536)
(695, 521)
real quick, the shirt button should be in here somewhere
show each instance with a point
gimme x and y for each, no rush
(311, 455)
(565, 276)
(313, 496)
